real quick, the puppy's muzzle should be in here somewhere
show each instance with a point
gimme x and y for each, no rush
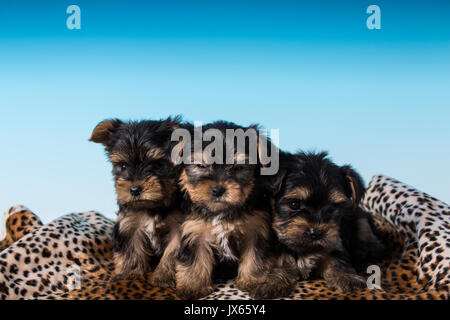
(217, 191)
(135, 190)
(315, 234)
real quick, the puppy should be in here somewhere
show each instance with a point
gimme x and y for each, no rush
(320, 228)
(146, 185)
(228, 220)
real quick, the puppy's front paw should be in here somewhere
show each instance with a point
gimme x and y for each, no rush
(276, 284)
(163, 278)
(192, 293)
(245, 285)
(347, 282)
(305, 273)
(270, 290)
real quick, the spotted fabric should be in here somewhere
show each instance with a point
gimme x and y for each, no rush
(71, 257)
(19, 222)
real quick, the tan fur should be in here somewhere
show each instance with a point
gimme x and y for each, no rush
(152, 190)
(249, 270)
(199, 193)
(117, 157)
(235, 194)
(128, 267)
(260, 277)
(102, 132)
(296, 227)
(134, 261)
(340, 276)
(276, 279)
(216, 233)
(292, 229)
(164, 274)
(301, 193)
(143, 229)
(195, 280)
(156, 153)
(338, 197)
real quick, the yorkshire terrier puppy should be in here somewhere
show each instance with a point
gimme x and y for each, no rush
(149, 217)
(317, 220)
(228, 220)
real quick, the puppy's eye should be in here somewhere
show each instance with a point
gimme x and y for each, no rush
(123, 167)
(294, 204)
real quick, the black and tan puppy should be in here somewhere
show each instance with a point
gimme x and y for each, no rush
(148, 222)
(228, 220)
(320, 228)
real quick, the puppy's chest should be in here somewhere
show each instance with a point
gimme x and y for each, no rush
(149, 229)
(155, 230)
(226, 240)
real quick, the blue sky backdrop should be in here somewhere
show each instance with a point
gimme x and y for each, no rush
(378, 99)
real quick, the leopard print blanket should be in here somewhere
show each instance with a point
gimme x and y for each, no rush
(71, 257)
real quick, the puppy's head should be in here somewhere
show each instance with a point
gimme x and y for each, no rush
(224, 186)
(311, 194)
(139, 152)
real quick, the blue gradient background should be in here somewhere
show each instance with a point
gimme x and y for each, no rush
(378, 99)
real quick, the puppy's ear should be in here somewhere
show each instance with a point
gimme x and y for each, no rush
(354, 184)
(275, 182)
(103, 131)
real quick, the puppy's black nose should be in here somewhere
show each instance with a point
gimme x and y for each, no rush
(315, 234)
(135, 190)
(217, 191)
